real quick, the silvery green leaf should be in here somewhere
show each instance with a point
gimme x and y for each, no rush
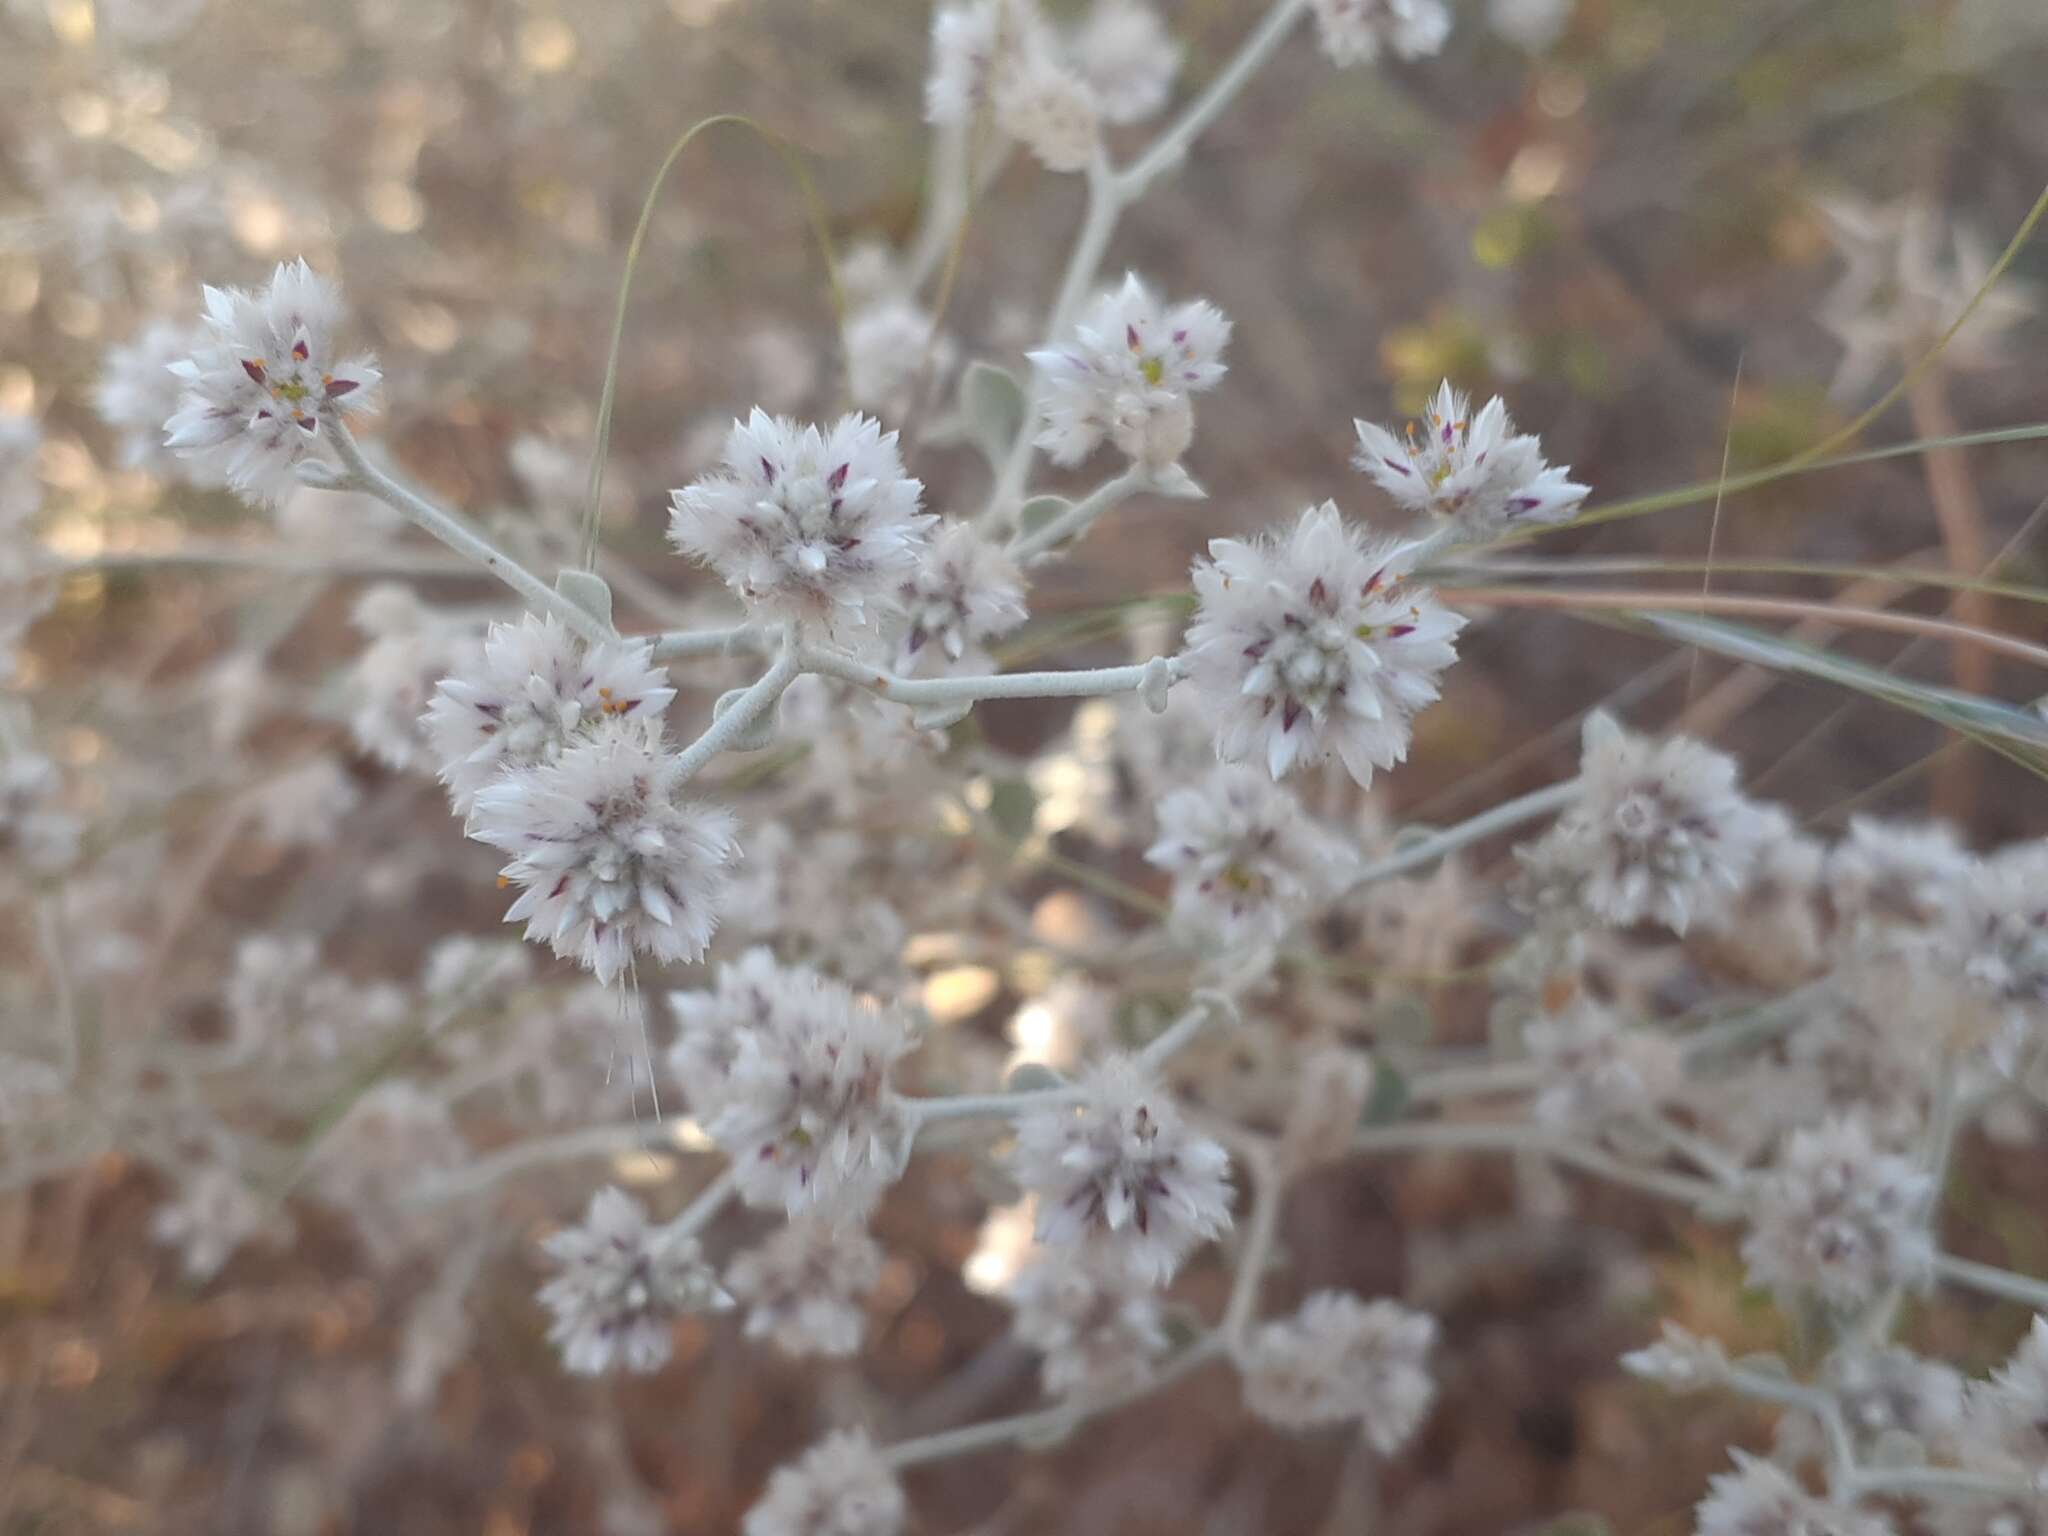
(993, 404)
(587, 590)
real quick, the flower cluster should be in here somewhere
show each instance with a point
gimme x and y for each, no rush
(792, 1071)
(1095, 1326)
(1840, 1220)
(804, 1285)
(1475, 472)
(804, 523)
(1128, 374)
(1355, 31)
(966, 590)
(1123, 1174)
(1342, 1358)
(533, 690)
(840, 1487)
(1661, 832)
(608, 861)
(265, 380)
(1002, 65)
(1312, 645)
(1248, 862)
(623, 1283)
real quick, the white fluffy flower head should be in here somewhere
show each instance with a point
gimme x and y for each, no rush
(1310, 645)
(1342, 1358)
(965, 590)
(623, 1282)
(1247, 860)
(1661, 832)
(534, 689)
(806, 1111)
(839, 1487)
(606, 859)
(1096, 1325)
(1124, 1174)
(803, 522)
(803, 1287)
(258, 391)
(1838, 1219)
(1476, 472)
(138, 393)
(1355, 31)
(1760, 1498)
(1123, 50)
(1127, 374)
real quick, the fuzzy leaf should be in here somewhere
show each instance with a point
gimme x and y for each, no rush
(993, 403)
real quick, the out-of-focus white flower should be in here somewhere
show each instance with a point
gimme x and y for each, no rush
(305, 805)
(804, 523)
(257, 391)
(411, 648)
(1531, 25)
(1888, 874)
(2008, 1412)
(1342, 1358)
(1128, 58)
(138, 393)
(623, 1283)
(36, 832)
(1310, 645)
(804, 1286)
(281, 1002)
(1838, 1219)
(1998, 932)
(1894, 1392)
(1049, 109)
(751, 992)
(372, 1162)
(894, 349)
(1123, 1173)
(1097, 1326)
(807, 1113)
(606, 859)
(1354, 31)
(1680, 1360)
(1660, 832)
(146, 21)
(965, 590)
(1761, 1499)
(1127, 374)
(534, 689)
(839, 1487)
(1908, 278)
(1248, 862)
(213, 1213)
(975, 47)
(1475, 472)
(1595, 1069)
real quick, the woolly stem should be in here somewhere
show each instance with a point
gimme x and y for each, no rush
(677, 644)
(1044, 1424)
(1992, 1280)
(359, 474)
(730, 726)
(1172, 146)
(1427, 850)
(999, 685)
(1027, 548)
(1242, 1308)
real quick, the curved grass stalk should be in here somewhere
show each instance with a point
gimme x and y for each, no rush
(814, 209)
